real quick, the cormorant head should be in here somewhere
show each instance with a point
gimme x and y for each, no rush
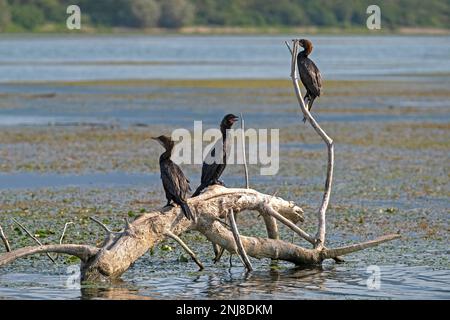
(228, 121)
(307, 45)
(165, 141)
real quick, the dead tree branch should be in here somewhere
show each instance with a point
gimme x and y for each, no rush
(114, 257)
(243, 151)
(237, 238)
(5, 240)
(186, 248)
(62, 236)
(320, 236)
(34, 238)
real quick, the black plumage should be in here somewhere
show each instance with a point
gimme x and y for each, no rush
(211, 170)
(309, 74)
(175, 183)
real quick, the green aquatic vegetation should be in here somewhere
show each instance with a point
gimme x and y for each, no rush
(43, 233)
(166, 247)
(71, 260)
(391, 210)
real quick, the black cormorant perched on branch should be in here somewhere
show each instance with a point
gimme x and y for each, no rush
(309, 74)
(175, 183)
(211, 172)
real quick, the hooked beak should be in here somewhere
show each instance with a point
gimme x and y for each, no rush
(235, 119)
(157, 140)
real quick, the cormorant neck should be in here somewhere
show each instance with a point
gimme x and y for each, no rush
(166, 155)
(305, 53)
(223, 129)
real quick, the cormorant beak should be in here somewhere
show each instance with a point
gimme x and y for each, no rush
(157, 140)
(235, 119)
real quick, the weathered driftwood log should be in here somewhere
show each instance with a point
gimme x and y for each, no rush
(121, 250)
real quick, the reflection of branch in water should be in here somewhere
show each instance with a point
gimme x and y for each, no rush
(117, 290)
(247, 285)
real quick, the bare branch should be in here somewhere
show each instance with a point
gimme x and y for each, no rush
(237, 239)
(333, 253)
(5, 240)
(112, 260)
(101, 224)
(62, 237)
(287, 45)
(320, 236)
(64, 232)
(34, 238)
(243, 150)
(218, 252)
(84, 252)
(186, 248)
(270, 211)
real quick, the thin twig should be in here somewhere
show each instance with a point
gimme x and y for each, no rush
(127, 224)
(186, 248)
(64, 232)
(243, 151)
(105, 227)
(287, 45)
(269, 210)
(34, 238)
(5, 240)
(62, 236)
(237, 239)
(218, 253)
(275, 193)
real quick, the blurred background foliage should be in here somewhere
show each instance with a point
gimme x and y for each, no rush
(41, 15)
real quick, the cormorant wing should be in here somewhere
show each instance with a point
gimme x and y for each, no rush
(210, 168)
(174, 180)
(310, 76)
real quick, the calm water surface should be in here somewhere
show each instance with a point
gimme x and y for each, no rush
(206, 57)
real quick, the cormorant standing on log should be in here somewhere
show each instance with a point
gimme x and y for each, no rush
(175, 183)
(211, 172)
(309, 74)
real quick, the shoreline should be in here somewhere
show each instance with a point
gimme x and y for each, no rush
(227, 31)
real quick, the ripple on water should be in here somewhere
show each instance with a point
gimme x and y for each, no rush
(330, 282)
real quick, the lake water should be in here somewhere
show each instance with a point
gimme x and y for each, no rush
(47, 183)
(69, 57)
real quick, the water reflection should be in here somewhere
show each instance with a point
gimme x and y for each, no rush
(327, 282)
(117, 290)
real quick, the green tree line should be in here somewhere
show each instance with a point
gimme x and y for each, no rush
(28, 15)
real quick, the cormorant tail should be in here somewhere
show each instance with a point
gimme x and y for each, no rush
(186, 210)
(199, 189)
